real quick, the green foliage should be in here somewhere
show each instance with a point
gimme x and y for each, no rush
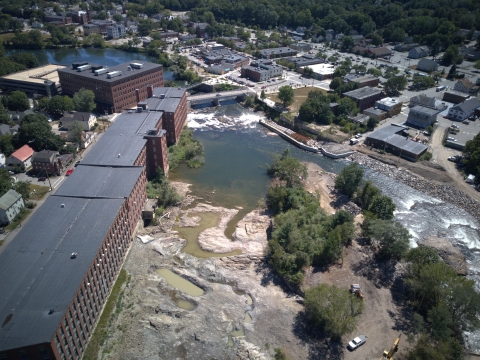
(423, 81)
(427, 156)
(75, 133)
(37, 133)
(372, 123)
(187, 149)
(288, 169)
(383, 207)
(389, 237)
(286, 95)
(18, 101)
(395, 84)
(349, 179)
(427, 348)
(375, 72)
(159, 188)
(83, 100)
(450, 55)
(333, 310)
(471, 157)
(316, 109)
(280, 354)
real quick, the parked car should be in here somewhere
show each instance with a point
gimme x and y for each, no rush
(42, 178)
(69, 172)
(466, 122)
(357, 342)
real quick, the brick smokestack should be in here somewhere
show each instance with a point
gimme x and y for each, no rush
(149, 90)
(137, 95)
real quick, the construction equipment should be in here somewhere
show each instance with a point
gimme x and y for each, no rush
(393, 350)
(355, 290)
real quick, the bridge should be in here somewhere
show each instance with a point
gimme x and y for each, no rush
(214, 99)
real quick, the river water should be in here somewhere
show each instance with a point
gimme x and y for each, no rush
(237, 149)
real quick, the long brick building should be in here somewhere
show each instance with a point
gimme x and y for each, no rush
(117, 87)
(58, 271)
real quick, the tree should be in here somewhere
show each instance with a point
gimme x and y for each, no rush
(286, 95)
(333, 310)
(117, 18)
(389, 237)
(75, 133)
(18, 101)
(374, 72)
(395, 84)
(471, 156)
(289, 169)
(23, 188)
(368, 193)
(347, 42)
(83, 100)
(377, 40)
(336, 83)
(477, 65)
(349, 179)
(58, 104)
(262, 95)
(450, 55)
(452, 72)
(371, 123)
(37, 133)
(383, 207)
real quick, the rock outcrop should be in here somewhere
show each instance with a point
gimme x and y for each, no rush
(448, 252)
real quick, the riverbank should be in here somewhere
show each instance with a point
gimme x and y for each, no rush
(443, 191)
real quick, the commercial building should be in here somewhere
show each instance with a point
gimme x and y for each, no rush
(391, 106)
(305, 60)
(261, 70)
(319, 71)
(102, 24)
(455, 97)
(364, 97)
(42, 80)
(278, 52)
(11, 203)
(172, 104)
(394, 139)
(463, 110)
(89, 29)
(58, 272)
(422, 116)
(20, 159)
(378, 52)
(367, 80)
(116, 88)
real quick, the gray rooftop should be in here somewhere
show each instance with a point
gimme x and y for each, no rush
(362, 93)
(467, 105)
(390, 135)
(38, 274)
(424, 110)
(109, 182)
(122, 67)
(278, 51)
(169, 92)
(123, 141)
(165, 105)
(8, 199)
(360, 79)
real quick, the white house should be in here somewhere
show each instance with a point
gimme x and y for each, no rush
(427, 65)
(466, 86)
(463, 110)
(11, 203)
(22, 158)
(86, 119)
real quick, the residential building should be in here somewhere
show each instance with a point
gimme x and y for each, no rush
(86, 119)
(42, 80)
(427, 65)
(200, 29)
(320, 71)
(89, 29)
(8, 129)
(463, 110)
(116, 31)
(365, 97)
(422, 100)
(20, 159)
(87, 139)
(172, 103)
(103, 25)
(419, 52)
(422, 116)
(116, 88)
(405, 47)
(188, 37)
(367, 80)
(11, 203)
(59, 20)
(37, 25)
(379, 52)
(50, 162)
(395, 139)
(278, 52)
(466, 86)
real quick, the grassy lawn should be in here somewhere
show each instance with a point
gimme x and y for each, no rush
(6, 36)
(40, 191)
(300, 96)
(15, 223)
(111, 308)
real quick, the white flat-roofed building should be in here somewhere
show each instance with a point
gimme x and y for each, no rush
(320, 71)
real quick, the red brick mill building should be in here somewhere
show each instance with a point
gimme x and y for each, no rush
(58, 271)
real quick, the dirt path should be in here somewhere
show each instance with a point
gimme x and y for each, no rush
(321, 182)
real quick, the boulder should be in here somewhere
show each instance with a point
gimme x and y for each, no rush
(448, 252)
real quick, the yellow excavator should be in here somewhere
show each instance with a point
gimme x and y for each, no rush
(393, 350)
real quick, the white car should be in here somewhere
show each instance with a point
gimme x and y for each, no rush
(357, 342)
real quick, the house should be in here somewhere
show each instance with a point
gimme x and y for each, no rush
(463, 110)
(86, 119)
(466, 86)
(87, 139)
(427, 65)
(37, 25)
(20, 159)
(200, 29)
(422, 100)
(381, 52)
(419, 52)
(422, 116)
(7, 129)
(46, 162)
(11, 203)
(17, 116)
(405, 47)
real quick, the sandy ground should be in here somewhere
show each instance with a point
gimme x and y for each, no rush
(321, 182)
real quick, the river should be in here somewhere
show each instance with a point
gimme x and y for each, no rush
(237, 149)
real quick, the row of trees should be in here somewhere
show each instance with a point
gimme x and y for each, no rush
(471, 157)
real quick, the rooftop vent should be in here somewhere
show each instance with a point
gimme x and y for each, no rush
(73, 256)
(51, 311)
(113, 74)
(136, 65)
(118, 155)
(62, 206)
